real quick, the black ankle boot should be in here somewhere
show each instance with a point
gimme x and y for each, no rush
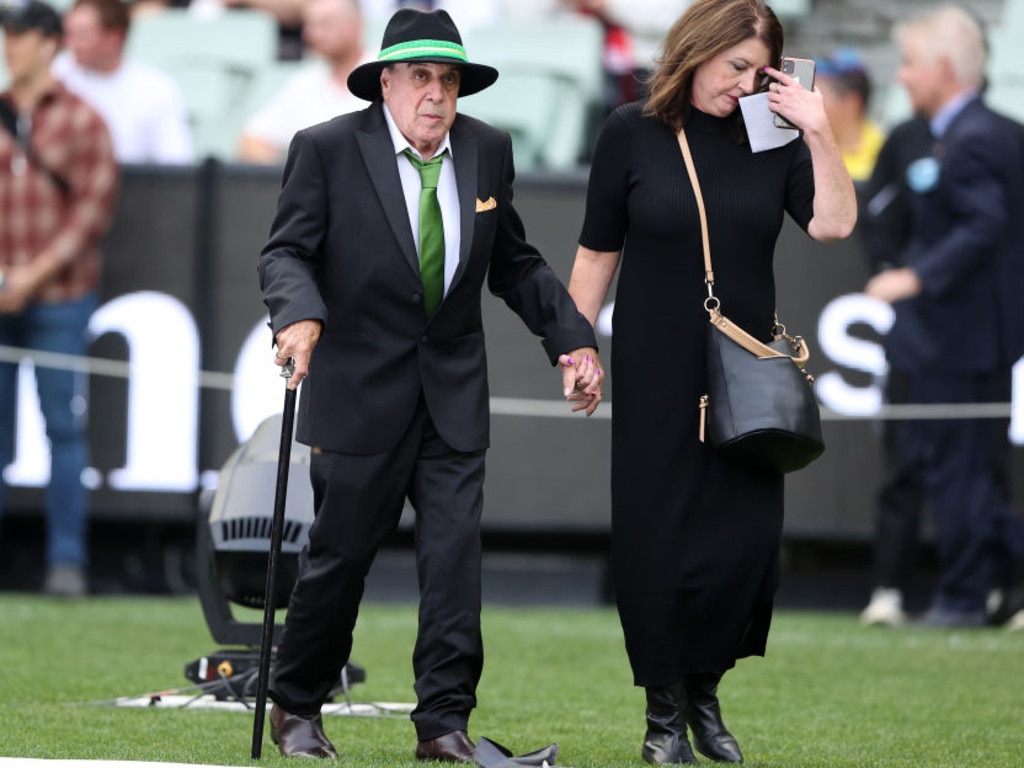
(665, 742)
(704, 716)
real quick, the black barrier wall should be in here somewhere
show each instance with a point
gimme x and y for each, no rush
(182, 317)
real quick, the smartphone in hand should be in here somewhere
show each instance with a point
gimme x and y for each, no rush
(801, 70)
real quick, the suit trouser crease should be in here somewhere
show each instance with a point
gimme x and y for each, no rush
(358, 503)
(901, 497)
(968, 506)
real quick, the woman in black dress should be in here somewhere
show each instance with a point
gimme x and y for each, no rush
(695, 541)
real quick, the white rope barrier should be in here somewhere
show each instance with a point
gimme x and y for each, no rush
(513, 406)
(99, 366)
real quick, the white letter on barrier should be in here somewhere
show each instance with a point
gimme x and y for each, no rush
(163, 390)
(259, 387)
(1017, 405)
(31, 462)
(858, 354)
(604, 320)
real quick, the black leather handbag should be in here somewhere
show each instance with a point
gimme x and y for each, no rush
(760, 410)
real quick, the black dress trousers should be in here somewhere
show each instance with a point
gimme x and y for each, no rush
(358, 501)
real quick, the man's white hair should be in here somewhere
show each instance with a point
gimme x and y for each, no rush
(954, 33)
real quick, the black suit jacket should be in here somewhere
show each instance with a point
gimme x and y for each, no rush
(967, 248)
(883, 221)
(341, 251)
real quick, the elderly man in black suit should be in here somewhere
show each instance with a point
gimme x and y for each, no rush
(959, 324)
(373, 275)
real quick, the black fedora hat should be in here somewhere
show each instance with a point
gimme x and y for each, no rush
(413, 35)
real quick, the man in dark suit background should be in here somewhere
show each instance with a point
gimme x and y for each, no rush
(395, 402)
(959, 324)
(883, 224)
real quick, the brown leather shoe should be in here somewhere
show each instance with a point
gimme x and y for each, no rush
(454, 747)
(298, 736)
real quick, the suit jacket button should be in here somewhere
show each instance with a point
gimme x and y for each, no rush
(416, 298)
(424, 339)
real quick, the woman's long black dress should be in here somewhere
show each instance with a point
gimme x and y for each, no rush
(695, 541)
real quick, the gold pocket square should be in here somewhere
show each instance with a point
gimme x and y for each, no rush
(487, 205)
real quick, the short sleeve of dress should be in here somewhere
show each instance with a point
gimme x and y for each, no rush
(605, 219)
(800, 186)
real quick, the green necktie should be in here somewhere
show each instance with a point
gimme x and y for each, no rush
(431, 231)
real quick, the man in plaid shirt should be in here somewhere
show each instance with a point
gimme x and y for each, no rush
(58, 183)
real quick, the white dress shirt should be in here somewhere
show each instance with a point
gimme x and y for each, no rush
(447, 195)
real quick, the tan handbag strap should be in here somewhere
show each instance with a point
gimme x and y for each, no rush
(709, 273)
(801, 353)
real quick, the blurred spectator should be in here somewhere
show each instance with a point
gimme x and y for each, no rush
(319, 91)
(142, 106)
(883, 225)
(845, 85)
(884, 220)
(959, 322)
(633, 33)
(58, 182)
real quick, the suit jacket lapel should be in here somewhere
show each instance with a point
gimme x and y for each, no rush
(464, 149)
(379, 155)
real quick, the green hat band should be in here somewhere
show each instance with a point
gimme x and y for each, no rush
(421, 48)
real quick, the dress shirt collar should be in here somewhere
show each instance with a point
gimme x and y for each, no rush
(942, 119)
(401, 143)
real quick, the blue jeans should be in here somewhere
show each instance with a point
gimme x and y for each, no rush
(53, 328)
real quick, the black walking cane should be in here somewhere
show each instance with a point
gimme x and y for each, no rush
(284, 457)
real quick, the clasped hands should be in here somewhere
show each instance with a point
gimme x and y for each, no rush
(582, 376)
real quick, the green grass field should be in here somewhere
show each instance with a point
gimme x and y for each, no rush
(829, 693)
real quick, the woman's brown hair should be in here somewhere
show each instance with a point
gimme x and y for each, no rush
(707, 28)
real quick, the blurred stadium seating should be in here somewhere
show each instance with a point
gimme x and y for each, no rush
(790, 9)
(550, 95)
(550, 88)
(1006, 69)
(217, 60)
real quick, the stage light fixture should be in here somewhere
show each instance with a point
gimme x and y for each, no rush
(233, 541)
